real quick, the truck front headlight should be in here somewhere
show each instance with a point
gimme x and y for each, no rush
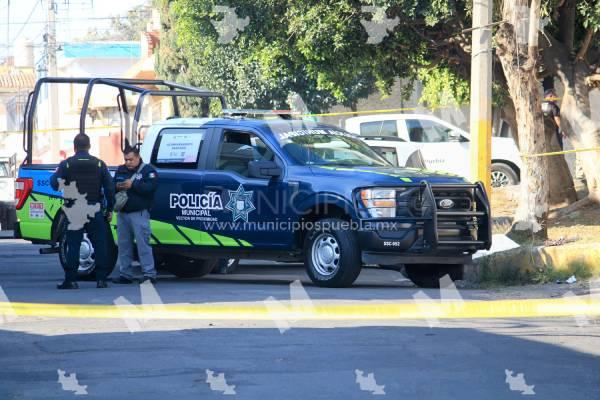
(379, 202)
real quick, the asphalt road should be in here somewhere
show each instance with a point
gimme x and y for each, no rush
(458, 359)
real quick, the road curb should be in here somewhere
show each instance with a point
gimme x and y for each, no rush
(534, 264)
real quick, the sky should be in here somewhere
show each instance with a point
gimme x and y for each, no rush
(27, 19)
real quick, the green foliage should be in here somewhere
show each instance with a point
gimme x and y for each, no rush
(258, 69)
(442, 87)
(319, 49)
(589, 11)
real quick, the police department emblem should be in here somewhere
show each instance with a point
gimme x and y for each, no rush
(240, 203)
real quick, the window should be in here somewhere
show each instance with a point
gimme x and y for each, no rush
(389, 153)
(238, 149)
(178, 148)
(426, 131)
(379, 128)
(4, 170)
(329, 147)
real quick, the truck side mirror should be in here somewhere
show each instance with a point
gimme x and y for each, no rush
(454, 136)
(264, 169)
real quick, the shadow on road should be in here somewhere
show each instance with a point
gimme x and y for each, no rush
(412, 363)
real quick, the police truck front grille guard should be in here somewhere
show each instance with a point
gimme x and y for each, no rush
(478, 217)
(472, 226)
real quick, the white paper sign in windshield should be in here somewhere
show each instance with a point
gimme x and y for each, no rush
(177, 147)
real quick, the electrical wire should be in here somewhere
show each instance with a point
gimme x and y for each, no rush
(37, 3)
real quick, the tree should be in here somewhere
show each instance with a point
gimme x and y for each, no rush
(244, 70)
(518, 53)
(321, 50)
(572, 53)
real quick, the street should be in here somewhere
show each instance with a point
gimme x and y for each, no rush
(451, 359)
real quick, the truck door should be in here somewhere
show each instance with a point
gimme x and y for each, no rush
(441, 149)
(178, 203)
(254, 210)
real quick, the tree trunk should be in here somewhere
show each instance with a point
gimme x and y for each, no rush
(519, 60)
(582, 131)
(561, 187)
(576, 120)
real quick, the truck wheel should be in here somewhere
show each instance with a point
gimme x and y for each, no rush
(186, 267)
(503, 175)
(332, 257)
(428, 275)
(226, 266)
(87, 256)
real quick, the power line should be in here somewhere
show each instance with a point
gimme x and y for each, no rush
(23, 27)
(68, 20)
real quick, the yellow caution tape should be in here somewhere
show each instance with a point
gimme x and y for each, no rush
(379, 111)
(556, 153)
(389, 110)
(529, 308)
(88, 128)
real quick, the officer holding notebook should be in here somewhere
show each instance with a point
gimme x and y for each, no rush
(135, 183)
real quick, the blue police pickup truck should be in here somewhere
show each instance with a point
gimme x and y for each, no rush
(292, 190)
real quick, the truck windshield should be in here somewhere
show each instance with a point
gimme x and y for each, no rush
(329, 147)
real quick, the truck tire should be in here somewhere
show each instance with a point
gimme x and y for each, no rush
(186, 267)
(503, 175)
(428, 275)
(226, 266)
(332, 256)
(87, 263)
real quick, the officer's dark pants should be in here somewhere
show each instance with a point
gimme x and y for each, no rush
(97, 232)
(560, 139)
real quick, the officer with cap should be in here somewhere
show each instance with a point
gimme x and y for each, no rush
(92, 185)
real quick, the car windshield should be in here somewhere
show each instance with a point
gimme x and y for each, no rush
(329, 147)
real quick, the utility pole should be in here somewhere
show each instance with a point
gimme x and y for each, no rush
(481, 93)
(51, 43)
(53, 119)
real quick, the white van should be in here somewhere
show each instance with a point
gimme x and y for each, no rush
(444, 147)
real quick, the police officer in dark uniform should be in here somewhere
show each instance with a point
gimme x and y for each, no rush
(92, 180)
(551, 113)
(139, 182)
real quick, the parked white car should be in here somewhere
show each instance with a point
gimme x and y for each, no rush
(444, 147)
(7, 178)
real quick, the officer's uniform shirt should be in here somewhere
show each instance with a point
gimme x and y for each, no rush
(143, 186)
(91, 176)
(550, 111)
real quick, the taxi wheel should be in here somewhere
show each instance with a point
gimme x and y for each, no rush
(186, 267)
(332, 256)
(428, 275)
